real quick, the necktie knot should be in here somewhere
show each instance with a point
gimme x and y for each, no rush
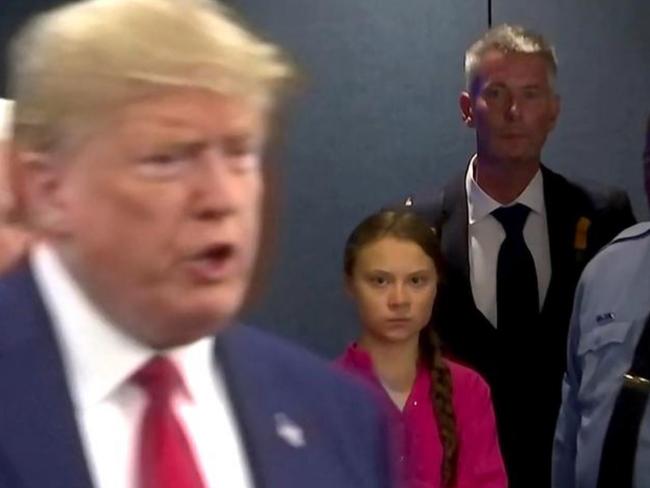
(512, 218)
(158, 378)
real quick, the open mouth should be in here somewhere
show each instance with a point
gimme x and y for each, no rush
(218, 252)
(214, 263)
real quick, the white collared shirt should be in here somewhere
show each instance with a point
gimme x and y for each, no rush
(485, 235)
(99, 360)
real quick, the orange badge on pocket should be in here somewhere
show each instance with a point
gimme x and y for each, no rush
(582, 228)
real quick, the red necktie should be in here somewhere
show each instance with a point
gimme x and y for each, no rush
(165, 456)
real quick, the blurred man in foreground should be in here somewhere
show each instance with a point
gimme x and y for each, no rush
(139, 132)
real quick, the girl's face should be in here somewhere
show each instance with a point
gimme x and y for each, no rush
(394, 285)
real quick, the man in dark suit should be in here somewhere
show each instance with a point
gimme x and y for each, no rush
(516, 236)
(139, 132)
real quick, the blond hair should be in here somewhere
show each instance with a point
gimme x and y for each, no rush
(508, 39)
(70, 66)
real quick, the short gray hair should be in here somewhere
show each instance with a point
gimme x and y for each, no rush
(70, 66)
(508, 38)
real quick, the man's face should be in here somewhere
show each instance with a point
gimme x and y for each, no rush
(157, 215)
(512, 107)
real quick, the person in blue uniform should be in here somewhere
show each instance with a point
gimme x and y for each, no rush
(602, 437)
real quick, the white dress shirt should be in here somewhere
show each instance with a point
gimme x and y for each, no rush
(485, 235)
(99, 360)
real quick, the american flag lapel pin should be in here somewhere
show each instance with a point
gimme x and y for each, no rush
(289, 431)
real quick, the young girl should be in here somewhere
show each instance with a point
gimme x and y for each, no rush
(442, 411)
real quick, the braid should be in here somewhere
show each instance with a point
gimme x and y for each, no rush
(443, 409)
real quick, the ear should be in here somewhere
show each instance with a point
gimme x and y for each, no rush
(40, 180)
(467, 114)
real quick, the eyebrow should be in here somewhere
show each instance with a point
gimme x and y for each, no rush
(195, 143)
(379, 270)
(181, 146)
(495, 84)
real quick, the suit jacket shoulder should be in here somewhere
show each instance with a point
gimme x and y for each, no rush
(605, 209)
(597, 210)
(39, 440)
(595, 195)
(289, 368)
(441, 204)
(281, 389)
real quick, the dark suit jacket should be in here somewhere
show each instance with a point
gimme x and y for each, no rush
(526, 376)
(40, 446)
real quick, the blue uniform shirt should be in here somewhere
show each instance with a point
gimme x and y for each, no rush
(611, 306)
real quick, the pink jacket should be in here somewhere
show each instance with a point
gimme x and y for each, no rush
(479, 459)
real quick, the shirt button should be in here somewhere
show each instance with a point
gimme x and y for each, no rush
(415, 403)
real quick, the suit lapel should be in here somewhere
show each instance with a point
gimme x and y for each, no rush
(454, 240)
(227, 351)
(455, 247)
(257, 401)
(38, 430)
(561, 218)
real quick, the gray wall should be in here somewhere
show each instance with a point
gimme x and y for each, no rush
(379, 119)
(12, 14)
